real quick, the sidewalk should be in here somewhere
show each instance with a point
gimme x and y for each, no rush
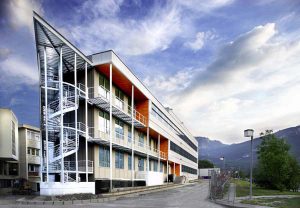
(231, 200)
(42, 200)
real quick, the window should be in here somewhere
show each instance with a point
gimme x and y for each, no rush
(129, 162)
(37, 137)
(28, 151)
(119, 160)
(156, 112)
(37, 152)
(13, 138)
(103, 86)
(104, 156)
(161, 167)
(119, 129)
(33, 151)
(31, 168)
(150, 165)
(141, 139)
(129, 134)
(119, 99)
(155, 164)
(141, 164)
(188, 170)
(174, 147)
(129, 105)
(104, 122)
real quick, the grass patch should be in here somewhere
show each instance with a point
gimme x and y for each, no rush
(242, 189)
(276, 202)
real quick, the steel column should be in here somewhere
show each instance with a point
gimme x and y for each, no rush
(110, 126)
(76, 131)
(132, 135)
(61, 97)
(158, 152)
(147, 151)
(86, 124)
(46, 115)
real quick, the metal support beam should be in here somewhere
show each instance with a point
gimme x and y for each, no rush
(167, 170)
(158, 152)
(76, 131)
(110, 127)
(86, 123)
(46, 116)
(132, 135)
(147, 151)
(61, 94)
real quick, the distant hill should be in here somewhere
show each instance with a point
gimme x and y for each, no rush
(238, 155)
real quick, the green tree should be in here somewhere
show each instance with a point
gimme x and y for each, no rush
(276, 168)
(205, 164)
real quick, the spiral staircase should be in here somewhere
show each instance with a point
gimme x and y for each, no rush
(59, 149)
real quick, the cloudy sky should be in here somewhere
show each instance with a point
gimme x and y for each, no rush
(222, 65)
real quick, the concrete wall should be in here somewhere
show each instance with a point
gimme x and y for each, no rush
(6, 119)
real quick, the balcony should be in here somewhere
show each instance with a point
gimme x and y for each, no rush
(34, 143)
(33, 174)
(100, 97)
(33, 159)
(119, 141)
(70, 166)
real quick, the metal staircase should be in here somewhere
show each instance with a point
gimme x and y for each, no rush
(63, 137)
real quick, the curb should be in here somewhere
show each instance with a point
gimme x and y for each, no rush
(112, 197)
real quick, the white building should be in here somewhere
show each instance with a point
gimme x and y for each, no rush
(101, 127)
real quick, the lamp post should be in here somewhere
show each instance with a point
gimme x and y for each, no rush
(223, 158)
(249, 133)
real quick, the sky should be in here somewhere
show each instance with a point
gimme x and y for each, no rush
(222, 65)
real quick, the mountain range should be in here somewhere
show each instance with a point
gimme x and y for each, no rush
(238, 155)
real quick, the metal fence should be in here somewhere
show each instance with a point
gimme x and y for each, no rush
(218, 184)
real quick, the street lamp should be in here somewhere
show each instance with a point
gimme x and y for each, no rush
(249, 133)
(223, 158)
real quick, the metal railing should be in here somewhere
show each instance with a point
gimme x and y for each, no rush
(117, 102)
(218, 184)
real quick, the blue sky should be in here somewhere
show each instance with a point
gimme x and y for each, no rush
(222, 65)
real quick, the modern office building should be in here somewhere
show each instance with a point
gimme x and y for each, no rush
(9, 151)
(101, 127)
(30, 155)
(19, 154)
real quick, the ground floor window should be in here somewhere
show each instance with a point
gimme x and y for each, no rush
(141, 164)
(119, 160)
(104, 156)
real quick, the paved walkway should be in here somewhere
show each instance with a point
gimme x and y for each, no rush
(188, 196)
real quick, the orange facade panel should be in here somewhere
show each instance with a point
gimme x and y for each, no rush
(164, 147)
(142, 108)
(177, 169)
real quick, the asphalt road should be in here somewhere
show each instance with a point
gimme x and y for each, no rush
(188, 196)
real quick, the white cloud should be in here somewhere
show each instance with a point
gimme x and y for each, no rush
(253, 82)
(20, 12)
(163, 84)
(4, 53)
(205, 5)
(200, 40)
(154, 32)
(127, 36)
(15, 72)
(102, 7)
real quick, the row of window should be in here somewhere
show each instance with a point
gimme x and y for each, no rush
(13, 138)
(104, 160)
(163, 118)
(188, 170)
(104, 83)
(174, 147)
(119, 128)
(33, 135)
(33, 151)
